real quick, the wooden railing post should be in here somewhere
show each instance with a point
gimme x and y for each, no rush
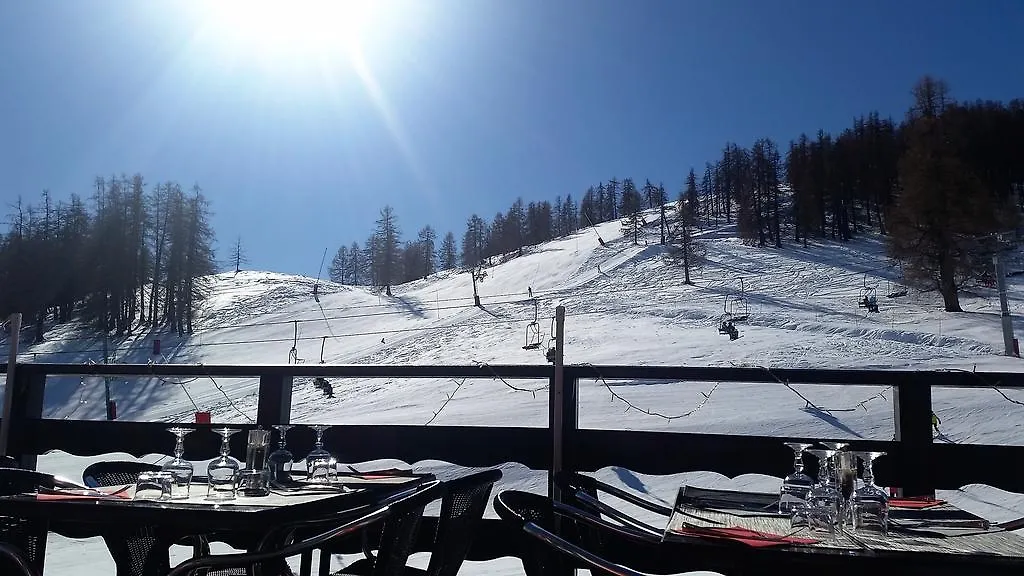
(556, 405)
(26, 404)
(912, 416)
(275, 400)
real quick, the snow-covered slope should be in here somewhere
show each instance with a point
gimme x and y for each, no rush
(626, 304)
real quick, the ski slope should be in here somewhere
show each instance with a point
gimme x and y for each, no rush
(626, 304)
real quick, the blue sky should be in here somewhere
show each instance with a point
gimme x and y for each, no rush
(458, 106)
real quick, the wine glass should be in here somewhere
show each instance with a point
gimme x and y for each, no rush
(319, 462)
(223, 472)
(179, 468)
(846, 469)
(280, 460)
(870, 506)
(824, 499)
(797, 485)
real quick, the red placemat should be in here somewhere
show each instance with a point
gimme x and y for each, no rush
(915, 503)
(744, 536)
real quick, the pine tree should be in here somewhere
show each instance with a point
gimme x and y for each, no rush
(449, 253)
(356, 265)
(685, 250)
(631, 208)
(474, 242)
(426, 241)
(238, 256)
(943, 212)
(386, 247)
(339, 266)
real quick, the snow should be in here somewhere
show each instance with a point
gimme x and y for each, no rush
(625, 305)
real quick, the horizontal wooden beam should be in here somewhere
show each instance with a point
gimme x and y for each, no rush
(941, 378)
(327, 370)
(951, 379)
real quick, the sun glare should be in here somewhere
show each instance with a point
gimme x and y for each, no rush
(294, 27)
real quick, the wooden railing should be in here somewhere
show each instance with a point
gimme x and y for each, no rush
(913, 462)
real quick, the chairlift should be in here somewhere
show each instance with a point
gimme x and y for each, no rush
(533, 340)
(895, 290)
(868, 299)
(736, 308)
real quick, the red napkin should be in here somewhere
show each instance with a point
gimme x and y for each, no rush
(916, 503)
(745, 536)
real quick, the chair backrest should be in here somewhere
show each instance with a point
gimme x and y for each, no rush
(9, 462)
(115, 473)
(535, 514)
(398, 536)
(13, 561)
(415, 500)
(582, 491)
(462, 507)
(28, 536)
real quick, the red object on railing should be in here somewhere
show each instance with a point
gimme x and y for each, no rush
(111, 410)
(1016, 348)
(156, 347)
(202, 417)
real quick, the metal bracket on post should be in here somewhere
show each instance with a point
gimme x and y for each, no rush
(14, 325)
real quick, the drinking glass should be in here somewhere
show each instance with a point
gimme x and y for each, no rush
(319, 463)
(153, 486)
(870, 503)
(280, 461)
(823, 499)
(846, 469)
(223, 472)
(797, 485)
(179, 468)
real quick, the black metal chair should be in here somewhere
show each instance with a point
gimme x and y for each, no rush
(398, 506)
(27, 536)
(130, 550)
(14, 562)
(115, 473)
(558, 537)
(462, 507)
(583, 491)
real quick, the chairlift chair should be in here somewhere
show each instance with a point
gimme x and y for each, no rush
(736, 308)
(868, 299)
(533, 329)
(895, 290)
(532, 336)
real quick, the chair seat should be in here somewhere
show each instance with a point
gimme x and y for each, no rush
(364, 567)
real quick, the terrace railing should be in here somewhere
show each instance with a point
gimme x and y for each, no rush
(914, 462)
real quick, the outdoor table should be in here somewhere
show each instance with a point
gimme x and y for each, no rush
(745, 532)
(151, 527)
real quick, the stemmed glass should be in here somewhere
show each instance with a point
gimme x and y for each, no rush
(223, 472)
(870, 503)
(846, 469)
(280, 460)
(319, 462)
(797, 485)
(824, 499)
(179, 468)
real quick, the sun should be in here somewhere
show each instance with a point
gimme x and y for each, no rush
(294, 28)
